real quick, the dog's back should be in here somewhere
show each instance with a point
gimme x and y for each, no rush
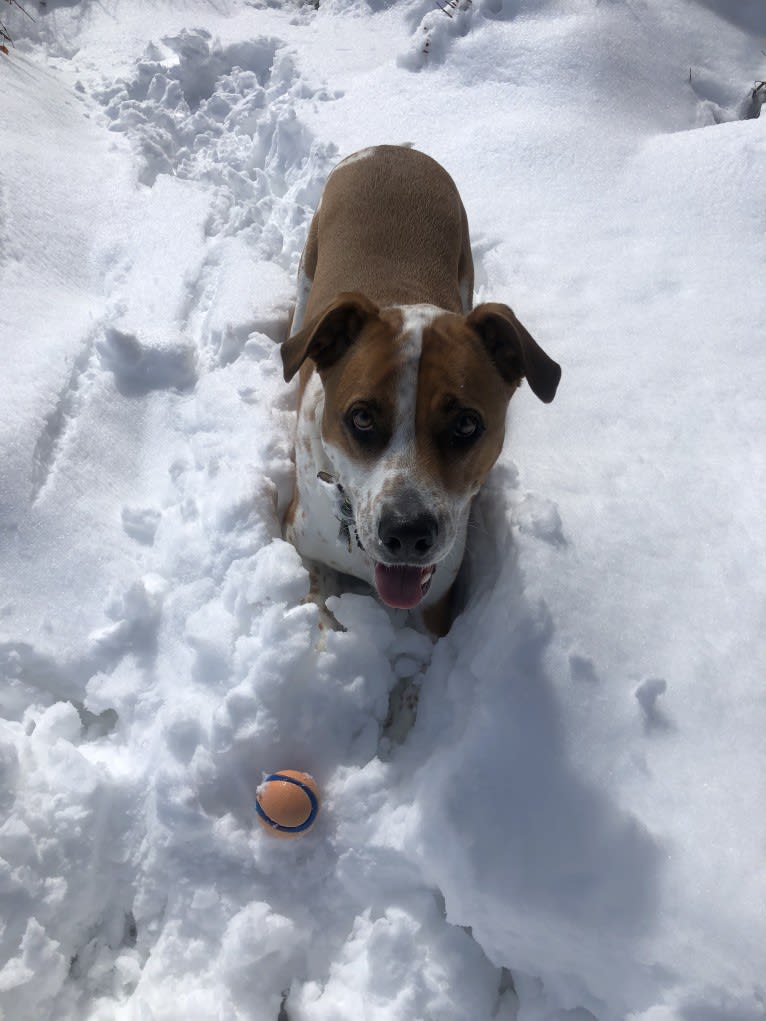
(396, 230)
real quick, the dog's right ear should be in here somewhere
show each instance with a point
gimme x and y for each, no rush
(330, 335)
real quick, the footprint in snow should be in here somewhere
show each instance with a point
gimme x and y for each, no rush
(648, 693)
(140, 368)
(227, 116)
(540, 518)
(582, 669)
(140, 523)
(719, 102)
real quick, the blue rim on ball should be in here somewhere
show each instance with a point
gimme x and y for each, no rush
(309, 794)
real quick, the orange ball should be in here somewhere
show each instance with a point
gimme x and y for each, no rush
(287, 803)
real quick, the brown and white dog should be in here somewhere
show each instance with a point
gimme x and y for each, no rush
(404, 387)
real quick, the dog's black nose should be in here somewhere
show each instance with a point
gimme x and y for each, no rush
(408, 539)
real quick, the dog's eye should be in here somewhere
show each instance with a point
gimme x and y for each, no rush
(361, 420)
(467, 426)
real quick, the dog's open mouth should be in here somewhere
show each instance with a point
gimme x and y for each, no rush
(402, 587)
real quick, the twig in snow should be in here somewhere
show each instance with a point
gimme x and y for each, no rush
(4, 34)
(448, 6)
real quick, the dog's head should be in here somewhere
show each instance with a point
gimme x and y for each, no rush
(414, 418)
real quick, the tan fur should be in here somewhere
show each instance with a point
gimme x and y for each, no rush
(392, 259)
(367, 374)
(438, 618)
(456, 372)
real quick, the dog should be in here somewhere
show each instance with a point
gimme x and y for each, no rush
(404, 386)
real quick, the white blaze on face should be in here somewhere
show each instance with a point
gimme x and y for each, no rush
(401, 451)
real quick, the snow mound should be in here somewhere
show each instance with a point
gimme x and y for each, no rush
(225, 116)
(552, 814)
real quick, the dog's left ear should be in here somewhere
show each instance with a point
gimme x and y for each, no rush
(329, 336)
(513, 349)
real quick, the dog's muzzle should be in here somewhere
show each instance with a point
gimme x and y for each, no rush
(406, 541)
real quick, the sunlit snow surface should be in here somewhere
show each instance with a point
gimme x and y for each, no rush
(574, 827)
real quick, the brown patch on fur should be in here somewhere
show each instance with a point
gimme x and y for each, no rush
(292, 507)
(366, 374)
(391, 226)
(438, 618)
(457, 375)
(514, 350)
(328, 336)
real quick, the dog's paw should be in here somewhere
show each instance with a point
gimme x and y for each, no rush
(402, 710)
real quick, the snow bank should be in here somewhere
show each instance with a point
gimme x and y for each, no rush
(572, 827)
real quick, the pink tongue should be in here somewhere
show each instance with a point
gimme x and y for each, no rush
(401, 587)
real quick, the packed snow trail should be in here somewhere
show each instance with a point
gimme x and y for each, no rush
(571, 828)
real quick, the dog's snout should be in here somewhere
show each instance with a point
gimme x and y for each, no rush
(407, 538)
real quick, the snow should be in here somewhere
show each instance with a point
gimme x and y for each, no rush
(573, 826)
